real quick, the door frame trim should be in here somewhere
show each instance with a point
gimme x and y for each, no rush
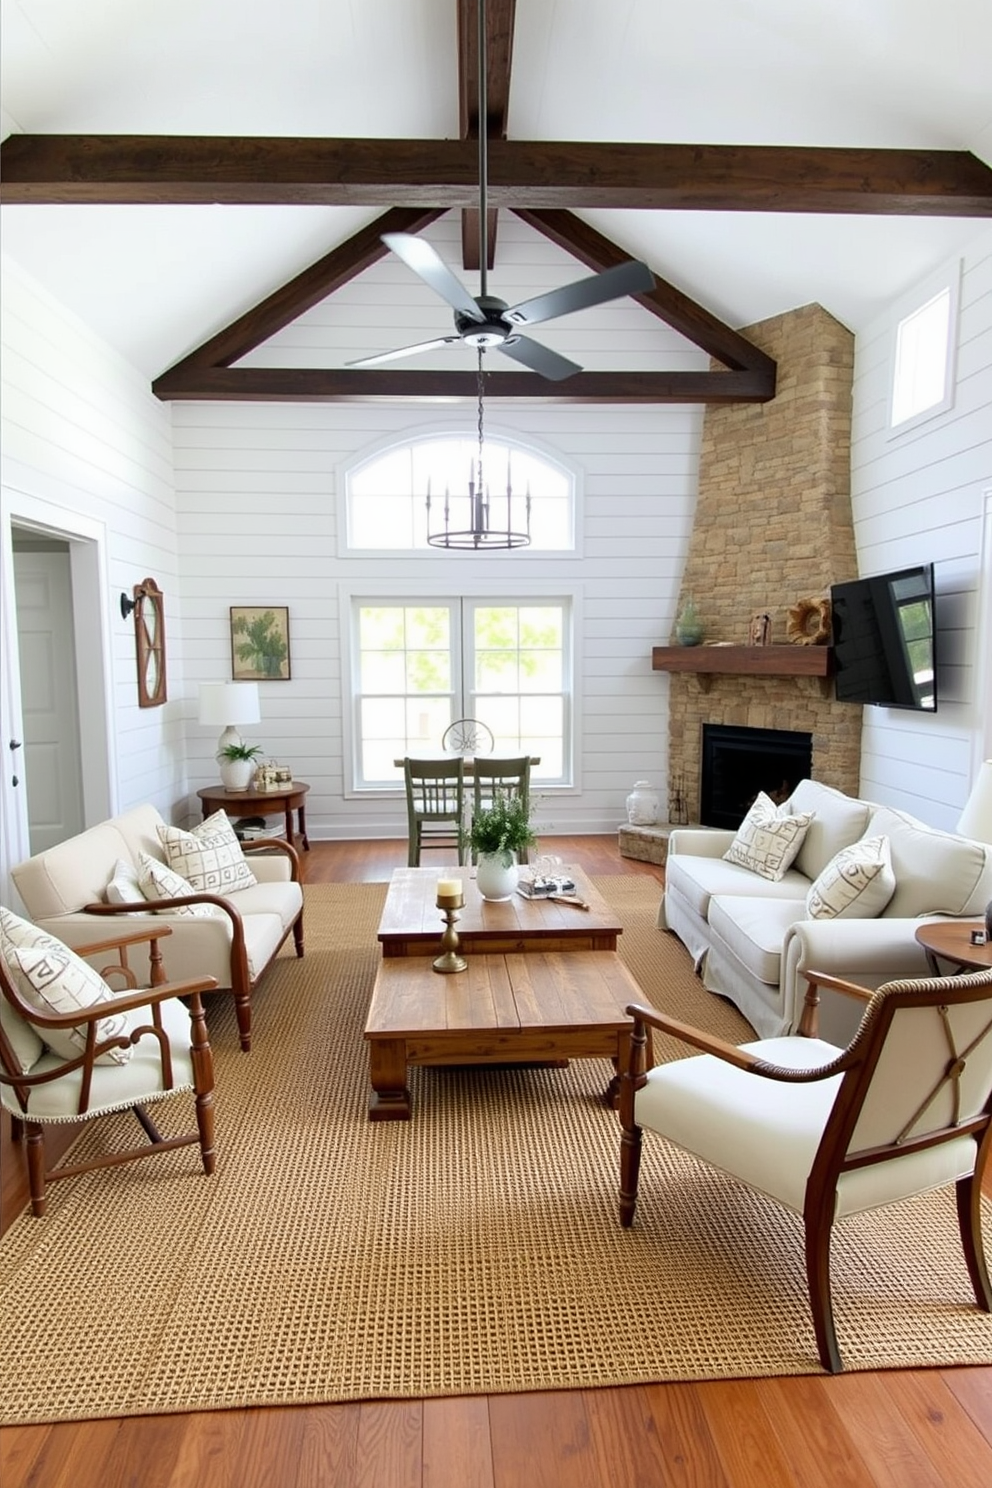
(87, 540)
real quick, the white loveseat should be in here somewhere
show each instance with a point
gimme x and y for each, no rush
(64, 891)
(751, 938)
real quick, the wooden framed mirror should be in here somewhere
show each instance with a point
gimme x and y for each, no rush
(149, 629)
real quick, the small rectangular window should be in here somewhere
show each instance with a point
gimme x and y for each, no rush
(923, 359)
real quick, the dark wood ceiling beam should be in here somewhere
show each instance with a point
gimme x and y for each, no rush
(500, 16)
(668, 303)
(308, 288)
(305, 385)
(122, 169)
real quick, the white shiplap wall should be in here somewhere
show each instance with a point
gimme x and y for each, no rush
(83, 434)
(918, 497)
(257, 488)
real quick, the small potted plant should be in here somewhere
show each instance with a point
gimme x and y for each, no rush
(496, 835)
(237, 764)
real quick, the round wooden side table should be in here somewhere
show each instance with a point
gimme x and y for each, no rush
(283, 802)
(950, 940)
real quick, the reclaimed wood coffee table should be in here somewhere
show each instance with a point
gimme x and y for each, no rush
(537, 1007)
(411, 922)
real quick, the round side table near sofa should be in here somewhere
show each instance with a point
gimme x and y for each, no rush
(283, 802)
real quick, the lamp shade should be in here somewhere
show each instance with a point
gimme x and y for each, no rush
(976, 818)
(229, 702)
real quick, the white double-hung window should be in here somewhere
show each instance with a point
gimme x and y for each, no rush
(418, 664)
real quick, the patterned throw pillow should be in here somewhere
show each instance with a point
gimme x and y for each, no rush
(209, 856)
(124, 887)
(857, 884)
(53, 979)
(160, 882)
(767, 839)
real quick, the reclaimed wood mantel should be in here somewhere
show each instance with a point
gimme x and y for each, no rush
(744, 661)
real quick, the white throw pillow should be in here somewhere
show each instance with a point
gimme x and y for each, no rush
(51, 978)
(768, 839)
(158, 881)
(209, 856)
(124, 887)
(856, 884)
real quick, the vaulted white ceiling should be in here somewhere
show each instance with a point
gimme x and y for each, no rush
(155, 281)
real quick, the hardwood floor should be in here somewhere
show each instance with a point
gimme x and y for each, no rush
(898, 1429)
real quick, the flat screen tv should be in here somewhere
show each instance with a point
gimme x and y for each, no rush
(883, 638)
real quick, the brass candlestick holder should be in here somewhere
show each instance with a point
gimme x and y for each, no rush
(449, 959)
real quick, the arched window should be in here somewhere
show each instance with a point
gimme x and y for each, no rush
(386, 495)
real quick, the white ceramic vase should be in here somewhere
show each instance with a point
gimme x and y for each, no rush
(642, 805)
(497, 879)
(236, 774)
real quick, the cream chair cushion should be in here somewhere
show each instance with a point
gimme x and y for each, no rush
(766, 1132)
(209, 856)
(52, 979)
(857, 884)
(140, 1081)
(158, 881)
(768, 839)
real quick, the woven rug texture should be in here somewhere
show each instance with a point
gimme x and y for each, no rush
(473, 1249)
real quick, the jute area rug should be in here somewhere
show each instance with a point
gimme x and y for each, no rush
(473, 1249)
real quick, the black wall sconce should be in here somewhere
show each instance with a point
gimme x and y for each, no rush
(127, 605)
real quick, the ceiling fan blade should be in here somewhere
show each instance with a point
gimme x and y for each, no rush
(404, 351)
(428, 264)
(539, 358)
(632, 277)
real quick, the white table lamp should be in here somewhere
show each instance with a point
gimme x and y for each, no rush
(229, 704)
(976, 818)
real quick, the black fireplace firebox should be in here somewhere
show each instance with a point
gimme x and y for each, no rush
(738, 763)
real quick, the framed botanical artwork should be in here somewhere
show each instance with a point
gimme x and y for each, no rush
(260, 643)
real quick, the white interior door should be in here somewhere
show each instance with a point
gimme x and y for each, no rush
(49, 695)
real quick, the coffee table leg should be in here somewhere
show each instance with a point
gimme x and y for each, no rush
(387, 1071)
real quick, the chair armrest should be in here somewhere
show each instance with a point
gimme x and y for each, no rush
(121, 1003)
(743, 1059)
(276, 844)
(687, 1034)
(809, 1021)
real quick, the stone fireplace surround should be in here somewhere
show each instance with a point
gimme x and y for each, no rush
(773, 526)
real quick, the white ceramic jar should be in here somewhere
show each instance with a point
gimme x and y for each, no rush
(642, 805)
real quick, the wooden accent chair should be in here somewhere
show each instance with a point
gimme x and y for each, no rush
(500, 777)
(830, 1132)
(435, 804)
(163, 1040)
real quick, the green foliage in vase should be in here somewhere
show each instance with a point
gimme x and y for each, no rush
(240, 751)
(501, 829)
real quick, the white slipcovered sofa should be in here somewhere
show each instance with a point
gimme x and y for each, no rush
(64, 890)
(752, 938)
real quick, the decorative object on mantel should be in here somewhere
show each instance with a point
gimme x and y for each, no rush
(678, 809)
(760, 631)
(808, 622)
(689, 628)
(260, 643)
(148, 605)
(642, 804)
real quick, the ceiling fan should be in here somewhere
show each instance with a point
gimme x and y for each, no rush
(484, 322)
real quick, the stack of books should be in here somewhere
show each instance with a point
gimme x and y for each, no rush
(544, 888)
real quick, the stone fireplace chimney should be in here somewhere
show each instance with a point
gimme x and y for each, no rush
(773, 526)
